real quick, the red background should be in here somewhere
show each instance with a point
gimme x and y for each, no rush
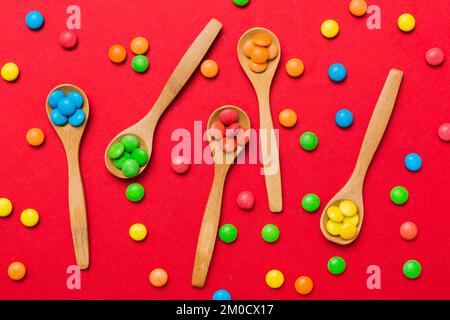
(173, 205)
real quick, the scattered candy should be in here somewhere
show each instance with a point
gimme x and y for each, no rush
(270, 233)
(434, 56)
(209, 69)
(412, 269)
(344, 118)
(245, 200)
(336, 265)
(5, 207)
(358, 8)
(68, 39)
(309, 141)
(140, 63)
(406, 22)
(17, 271)
(35, 137)
(329, 28)
(413, 162)
(139, 45)
(138, 232)
(34, 20)
(337, 72)
(310, 202)
(29, 217)
(241, 3)
(304, 285)
(135, 192)
(158, 277)
(408, 230)
(444, 131)
(117, 53)
(10, 71)
(221, 294)
(180, 164)
(295, 67)
(274, 279)
(287, 118)
(399, 195)
(228, 233)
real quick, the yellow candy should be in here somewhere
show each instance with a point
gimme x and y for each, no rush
(335, 214)
(274, 279)
(406, 22)
(348, 208)
(29, 217)
(329, 28)
(138, 232)
(10, 71)
(353, 220)
(5, 207)
(348, 231)
(334, 228)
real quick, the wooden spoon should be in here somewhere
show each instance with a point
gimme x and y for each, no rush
(70, 137)
(145, 128)
(354, 187)
(269, 149)
(210, 222)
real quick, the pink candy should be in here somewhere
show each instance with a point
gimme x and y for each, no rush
(232, 130)
(444, 132)
(434, 56)
(228, 116)
(245, 200)
(68, 39)
(180, 164)
(217, 130)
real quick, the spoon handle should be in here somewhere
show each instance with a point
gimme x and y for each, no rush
(208, 230)
(378, 123)
(77, 209)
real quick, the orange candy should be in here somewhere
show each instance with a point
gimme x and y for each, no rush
(358, 7)
(248, 47)
(408, 231)
(139, 45)
(117, 53)
(257, 67)
(262, 39)
(287, 118)
(17, 271)
(35, 137)
(295, 67)
(158, 277)
(259, 54)
(273, 51)
(304, 285)
(209, 68)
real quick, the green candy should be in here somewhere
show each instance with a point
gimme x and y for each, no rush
(270, 233)
(119, 161)
(130, 168)
(135, 192)
(336, 265)
(228, 233)
(241, 3)
(140, 155)
(310, 202)
(412, 269)
(116, 150)
(130, 142)
(139, 63)
(309, 141)
(399, 195)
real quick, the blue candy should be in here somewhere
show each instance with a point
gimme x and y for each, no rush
(58, 118)
(222, 295)
(413, 162)
(66, 106)
(34, 20)
(76, 98)
(344, 118)
(54, 98)
(337, 72)
(78, 118)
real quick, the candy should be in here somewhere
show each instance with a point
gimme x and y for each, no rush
(119, 161)
(54, 98)
(353, 220)
(262, 39)
(309, 141)
(257, 67)
(135, 192)
(444, 131)
(76, 98)
(270, 233)
(310, 202)
(287, 118)
(228, 116)
(34, 20)
(334, 214)
(337, 72)
(158, 277)
(139, 45)
(140, 63)
(17, 271)
(68, 39)
(329, 28)
(232, 130)
(29, 217)
(408, 230)
(348, 231)
(117, 53)
(130, 142)
(138, 232)
(273, 51)
(344, 118)
(399, 195)
(221, 294)
(229, 144)
(66, 107)
(116, 150)
(228, 233)
(348, 208)
(333, 228)
(217, 130)
(358, 8)
(295, 67)
(241, 3)
(274, 279)
(406, 22)
(77, 119)
(35, 137)
(10, 71)
(304, 285)
(434, 56)
(140, 155)
(413, 162)
(412, 269)
(259, 54)
(180, 164)
(58, 118)
(130, 168)
(209, 68)
(243, 137)
(245, 200)
(336, 265)
(5, 207)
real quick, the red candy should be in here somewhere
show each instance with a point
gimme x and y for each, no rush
(229, 144)
(180, 164)
(444, 132)
(245, 200)
(228, 116)
(408, 231)
(68, 39)
(434, 56)
(232, 130)
(243, 136)
(217, 130)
